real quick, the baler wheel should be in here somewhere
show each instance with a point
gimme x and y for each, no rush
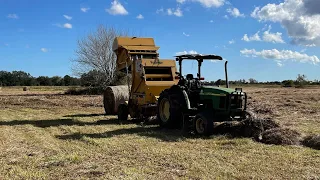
(123, 113)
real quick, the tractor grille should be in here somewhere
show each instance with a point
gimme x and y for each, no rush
(237, 101)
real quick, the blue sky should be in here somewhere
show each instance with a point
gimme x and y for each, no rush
(265, 40)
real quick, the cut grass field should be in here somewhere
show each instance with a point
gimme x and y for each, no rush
(47, 135)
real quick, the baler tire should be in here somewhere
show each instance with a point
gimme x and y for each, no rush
(123, 113)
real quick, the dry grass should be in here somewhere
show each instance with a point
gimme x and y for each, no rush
(49, 136)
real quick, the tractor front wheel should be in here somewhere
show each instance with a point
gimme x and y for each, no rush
(203, 125)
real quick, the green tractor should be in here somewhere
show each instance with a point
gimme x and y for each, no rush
(194, 107)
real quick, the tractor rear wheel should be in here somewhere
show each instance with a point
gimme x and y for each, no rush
(170, 108)
(123, 113)
(203, 124)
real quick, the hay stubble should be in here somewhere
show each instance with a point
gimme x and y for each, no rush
(68, 137)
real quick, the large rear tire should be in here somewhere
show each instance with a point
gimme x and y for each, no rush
(170, 108)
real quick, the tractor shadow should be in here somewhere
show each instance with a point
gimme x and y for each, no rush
(84, 115)
(149, 129)
(146, 131)
(152, 130)
(58, 122)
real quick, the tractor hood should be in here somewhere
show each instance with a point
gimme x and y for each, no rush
(216, 90)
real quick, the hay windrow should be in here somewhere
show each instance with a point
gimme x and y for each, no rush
(312, 141)
(281, 136)
(252, 127)
(266, 131)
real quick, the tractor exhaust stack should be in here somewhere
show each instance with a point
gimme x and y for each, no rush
(226, 71)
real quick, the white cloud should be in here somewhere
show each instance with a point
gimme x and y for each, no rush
(140, 16)
(206, 3)
(232, 41)
(210, 3)
(281, 56)
(235, 12)
(303, 50)
(181, 1)
(160, 11)
(299, 18)
(177, 12)
(185, 34)
(117, 9)
(6, 44)
(226, 16)
(279, 63)
(211, 21)
(267, 36)
(272, 37)
(67, 25)
(67, 17)
(13, 16)
(84, 9)
(44, 50)
(186, 52)
(255, 37)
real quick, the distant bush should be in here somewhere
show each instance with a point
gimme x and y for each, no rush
(85, 91)
(301, 81)
(288, 83)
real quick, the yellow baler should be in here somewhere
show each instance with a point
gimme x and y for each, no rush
(149, 75)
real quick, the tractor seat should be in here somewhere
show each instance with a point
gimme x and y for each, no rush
(189, 77)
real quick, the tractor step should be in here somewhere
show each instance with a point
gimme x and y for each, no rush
(149, 110)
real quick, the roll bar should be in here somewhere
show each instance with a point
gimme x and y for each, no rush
(200, 58)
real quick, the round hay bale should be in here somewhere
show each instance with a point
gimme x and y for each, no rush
(26, 88)
(113, 96)
(281, 136)
(312, 141)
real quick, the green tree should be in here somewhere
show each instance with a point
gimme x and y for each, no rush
(301, 80)
(44, 81)
(67, 80)
(57, 81)
(253, 81)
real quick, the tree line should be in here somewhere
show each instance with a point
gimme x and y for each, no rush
(93, 78)
(21, 78)
(300, 81)
(90, 79)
